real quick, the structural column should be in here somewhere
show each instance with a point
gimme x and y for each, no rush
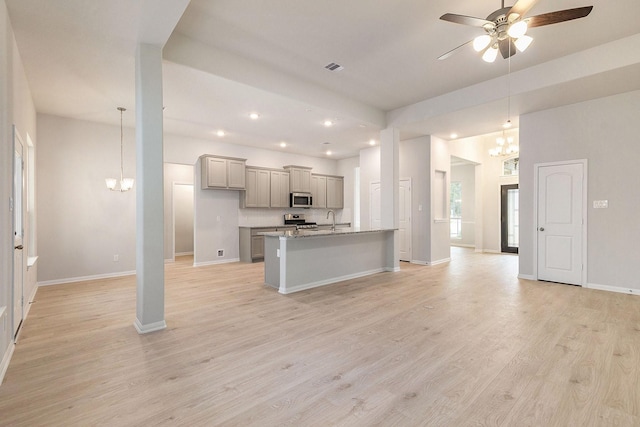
(149, 191)
(390, 188)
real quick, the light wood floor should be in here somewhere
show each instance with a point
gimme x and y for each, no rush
(464, 343)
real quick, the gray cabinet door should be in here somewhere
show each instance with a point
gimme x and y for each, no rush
(216, 172)
(319, 191)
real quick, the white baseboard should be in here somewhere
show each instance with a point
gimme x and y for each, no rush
(224, 261)
(86, 278)
(151, 327)
(4, 365)
(526, 276)
(491, 251)
(618, 289)
(462, 245)
(184, 253)
(392, 269)
(440, 261)
(305, 286)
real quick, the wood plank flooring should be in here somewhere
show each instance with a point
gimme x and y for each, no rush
(463, 343)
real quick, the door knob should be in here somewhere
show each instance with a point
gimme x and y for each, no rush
(541, 228)
(20, 247)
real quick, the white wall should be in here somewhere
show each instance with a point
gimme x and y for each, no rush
(440, 161)
(81, 224)
(605, 132)
(16, 107)
(6, 161)
(414, 163)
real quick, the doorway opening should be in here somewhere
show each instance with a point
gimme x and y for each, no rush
(509, 218)
(183, 209)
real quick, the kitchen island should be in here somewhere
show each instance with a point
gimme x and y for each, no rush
(303, 259)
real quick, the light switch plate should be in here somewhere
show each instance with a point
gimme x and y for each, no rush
(600, 204)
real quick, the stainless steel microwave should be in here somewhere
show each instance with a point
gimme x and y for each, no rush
(300, 200)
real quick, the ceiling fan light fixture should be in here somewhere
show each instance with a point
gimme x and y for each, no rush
(490, 54)
(481, 42)
(517, 29)
(523, 43)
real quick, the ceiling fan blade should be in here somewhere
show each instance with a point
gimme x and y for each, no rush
(521, 7)
(507, 47)
(465, 20)
(452, 51)
(558, 16)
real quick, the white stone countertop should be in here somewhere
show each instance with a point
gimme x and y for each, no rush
(295, 234)
(338, 224)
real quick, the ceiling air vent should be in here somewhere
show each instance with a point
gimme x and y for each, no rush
(334, 67)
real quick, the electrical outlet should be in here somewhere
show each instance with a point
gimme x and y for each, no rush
(220, 252)
(116, 258)
(600, 204)
(218, 218)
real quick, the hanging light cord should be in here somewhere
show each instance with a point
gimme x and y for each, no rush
(121, 147)
(509, 85)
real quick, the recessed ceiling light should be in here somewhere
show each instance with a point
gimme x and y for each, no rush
(372, 142)
(254, 116)
(328, 152)
(220, 133)
(283, 144)
(362, 126)
(328, 123)
(453, 135)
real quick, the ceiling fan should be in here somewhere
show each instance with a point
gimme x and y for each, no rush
(505, 28)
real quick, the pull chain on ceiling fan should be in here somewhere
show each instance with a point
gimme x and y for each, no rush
(505, 28)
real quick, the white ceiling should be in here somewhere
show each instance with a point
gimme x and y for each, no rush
(226, 58)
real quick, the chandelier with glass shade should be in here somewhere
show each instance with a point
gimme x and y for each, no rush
(126, 184)
(505, 146)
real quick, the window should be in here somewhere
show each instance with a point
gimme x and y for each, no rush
(456, 210)
(510, 166)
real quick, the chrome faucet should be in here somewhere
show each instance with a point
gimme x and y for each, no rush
(333, 227)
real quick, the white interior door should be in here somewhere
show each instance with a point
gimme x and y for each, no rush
(404, 219)
(18, 235)
(375, 215)
(560, 223)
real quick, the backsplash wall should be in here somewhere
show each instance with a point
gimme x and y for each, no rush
(256, 217)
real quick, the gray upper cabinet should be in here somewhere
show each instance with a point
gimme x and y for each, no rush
(299, 179)
(279, 189)
(258, 183)
(335, 192)
(319, 191)
(223, 172)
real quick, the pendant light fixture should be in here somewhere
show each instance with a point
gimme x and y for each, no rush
(126, 184)
(510, 148)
